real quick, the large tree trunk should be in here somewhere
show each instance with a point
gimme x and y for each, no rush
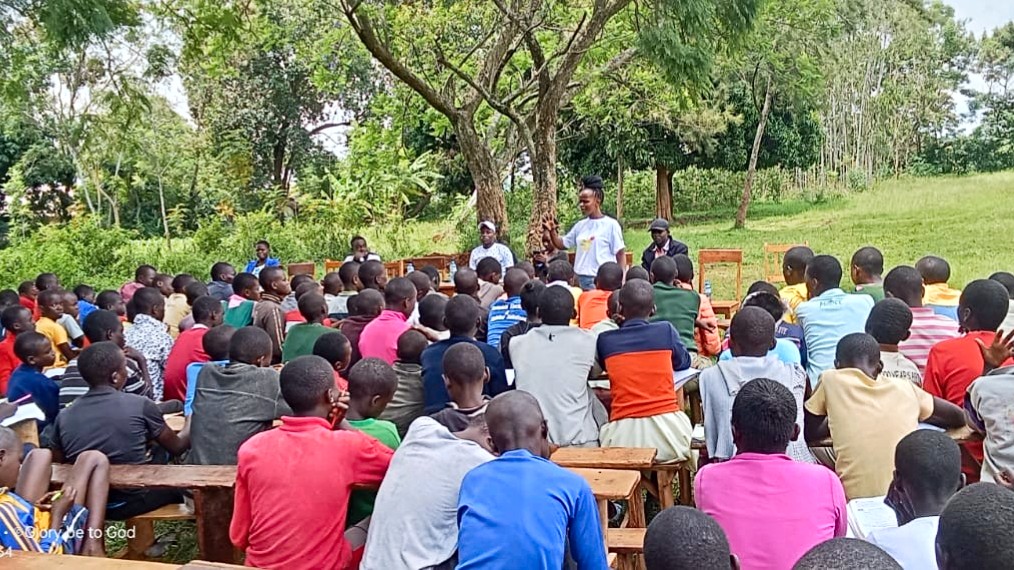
(663, 192)
(543, 158)
(490, 204)
(744, 201)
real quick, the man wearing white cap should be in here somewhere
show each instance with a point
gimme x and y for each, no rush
(490, 248)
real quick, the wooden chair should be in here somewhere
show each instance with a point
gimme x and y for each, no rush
(773, 255)
(304, 268)
(440, 262)
(395, 268)
(331, 266)
(710, 257)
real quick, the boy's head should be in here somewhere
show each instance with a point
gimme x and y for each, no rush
(262, 250)
(349, 274)
(461, 316)
(684, 268)
(9, 297)
(527, 267)
(933, 269)
(762, 287)
(663, 270)
(1006, 279)
(28, 289)
(103, 364)
(164, 284)
(373, 275)
(216, 342)
(609, 276)
(273, 281)
(250, 345)
(867, 266)
(434, 274)
(223, 272)
(194, 290)
(560, 270)
(312, 307)
(487, 233)
(794, 264)
(246, 285)
(515, 421)
(556, 306)
(208, 311)
(752, 332)
(34, 350)
(514, 281)
(372, 383)
(905, 283)
(300, 279)
(400, 296)
(767, 301)
(180, 282)
(422, 283)
(335, 348)
(11, 451)
(974, 529)
(368, 303)
(70, 304)
(360, 249)
(982, 306)
(531, 294)
(846, 554)
(927, 472)
(50, 302)
(764, 417)
(145, 275)
(332, 283)
(47, 281)
(889, 322)
(637, 272)
(84, 293)
(102, 325)
(307, 288)
(411, 344)
(431, 312)
(17, 320)
(465, 371)
(861, 351)
(489, 270)
(684, 538)
(307, 384)
(149, 301)
(823, 273)
(110, 300)
(613, 305)
(637, 300)
(466, 282)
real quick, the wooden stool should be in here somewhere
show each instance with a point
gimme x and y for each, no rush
(628, 545)
(144, 527)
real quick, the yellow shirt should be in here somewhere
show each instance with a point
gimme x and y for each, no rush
(176, 309)
(57, 335)
(941, 294)
(793, 295)
(867, 419)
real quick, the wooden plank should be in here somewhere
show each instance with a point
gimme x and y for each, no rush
(162, 476)
(625, 540)
(214, 513)
(963, 434)
(605, 457)
(725, 308)
(610, 484)
(36, 561)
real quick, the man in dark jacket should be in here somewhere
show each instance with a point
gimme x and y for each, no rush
(661, 244)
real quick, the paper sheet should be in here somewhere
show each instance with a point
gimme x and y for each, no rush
(868, 515)
(25, 412)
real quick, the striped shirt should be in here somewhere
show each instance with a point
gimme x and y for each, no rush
(928, 328)
(503, 314)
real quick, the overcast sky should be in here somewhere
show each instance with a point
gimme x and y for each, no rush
(983, 15)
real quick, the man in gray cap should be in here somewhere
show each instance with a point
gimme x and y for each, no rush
(661, 244)
(489, 247)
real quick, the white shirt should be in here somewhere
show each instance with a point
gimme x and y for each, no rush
(597, 241)
(911, 545)
(369, 257)
(498, 251)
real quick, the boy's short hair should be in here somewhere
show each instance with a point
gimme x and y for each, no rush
(244, 282)
(47, 296)
(846, 554)
(825, 269)
(142, 269)
(80, 291)
(637, 299)
(609, 276)
(11, 314)
(461, 315)
(29, 344)
(934, 269)
(99, 324)
(684, 267)
(268, 275)
(663, 269)
(205, 307)
(299, 279)
(99, 362)
(753, 327)
(399, 290)
(869, 259)
(559, 270)
(411, 344)
(181, 281)
(856, 347)
(146, 299)
(304, 381)
(514, 280)
(348, 273)
(25, 287)
(466, 281)
(681, 538)
(46, 281)
(433, 273)
(352, 242)
(988, 301)
(248, 344)
(464, 364)
(194, 290)
(764, 415)
(431, 311)
(929, 461)
(372, 377)
(974, 529)
(9, 297)
(903, 282)
(263, 242)
(216, 342)
(890, 321)
(530, 295)
(306, 288)
(311, 306)
(797, 258)
(488, 266)
(762, 287)
(1006, 279)
(332, 282)
(107, 298)
(370, 271)
(333, 347)
(556, 306)
(637, 272)
(771, 303)
(218, 269)
(368, 301)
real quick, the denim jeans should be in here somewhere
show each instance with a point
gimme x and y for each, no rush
(586, 282)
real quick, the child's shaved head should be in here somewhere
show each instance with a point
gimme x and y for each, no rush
(859, 350)
(934, 269)
(216, 342)
(464, 364)
(30, 345)
(372, 377)
(609, 276)
(305, 381)
(411, 344)
(100, 362)
(333, 347)
(249, 345)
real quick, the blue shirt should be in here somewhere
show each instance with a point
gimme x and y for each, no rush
(432, 360)
(794, 334)
(950, 312)
(785, 350)
(522, 511)
(503, 314)
(193, 370)
(45, 391)
(825, 320)
(251, 266)
(84, 308)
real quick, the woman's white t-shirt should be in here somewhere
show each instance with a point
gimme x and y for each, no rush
(597, 241)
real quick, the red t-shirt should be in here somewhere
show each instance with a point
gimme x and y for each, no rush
(294, 316)
(302, 526)
(8, 361)
(188, 348)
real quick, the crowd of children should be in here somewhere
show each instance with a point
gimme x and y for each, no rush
(414, 430)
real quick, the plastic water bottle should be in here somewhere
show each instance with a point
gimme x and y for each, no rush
(409, 268)
(453, 269)
(707, 288)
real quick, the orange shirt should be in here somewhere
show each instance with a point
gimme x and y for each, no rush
(709, 343)
(592, 308)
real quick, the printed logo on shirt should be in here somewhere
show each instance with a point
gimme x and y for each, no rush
(586, 244)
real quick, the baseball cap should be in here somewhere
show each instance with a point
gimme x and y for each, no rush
(660, 224)
(487, 224)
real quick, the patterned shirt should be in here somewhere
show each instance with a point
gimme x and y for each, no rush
(150, 337)
(268, 315)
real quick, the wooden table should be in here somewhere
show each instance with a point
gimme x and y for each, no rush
(446, 288)
(725, 308)
(19, 560)
(212, 486)
(963, 434)
(630, 458)
(610, 485)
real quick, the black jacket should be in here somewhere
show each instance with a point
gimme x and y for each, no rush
(675, 247)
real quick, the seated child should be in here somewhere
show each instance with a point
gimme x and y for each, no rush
(300, 338)
(85, 301)
(379, 338)
(969, 535)
(349, 274)
(236, 401)
(177, 307)
(489, 271)
(118, 424)
(549, 510)
(927, 472)
(409, 398)
(27, 293)
(15, 319)
(706, 337)
(674, 305)
(684, 538)
(988, 404)
(335, 348)
(866, 272)
(363, 308)
(189, 347)
(304, 471)
(372, 383)
(69, 320)
(889, 323)
(216, 345)
(772, 509)
(530, 295)
(290, 303)
(294, 317)
(50, 305)
(36, 354)
(267, 313)
(794, 271)
(431, 316)
(331, 285)
(591, 305)
(239, 308)
(32, 519)
(504, 313)
(164, 283)
(936, 272)
(465, 375)
(101, 326)
(637, 272)
(788, 338)
(110, 300)
(222, 275)
(560, 273)
(149, 336)
(372, 275)
(193, 291)
(613, 316)
(425, 472)
(866, 418)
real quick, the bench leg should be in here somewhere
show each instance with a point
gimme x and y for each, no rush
(665, 494)
(686, 487)
(213, 508)
(144, 537)
(635, 510)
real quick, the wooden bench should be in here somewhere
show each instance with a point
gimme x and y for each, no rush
(18, 560)
(144, 528)
(610, 485)
(628, 545)
(657, 478)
